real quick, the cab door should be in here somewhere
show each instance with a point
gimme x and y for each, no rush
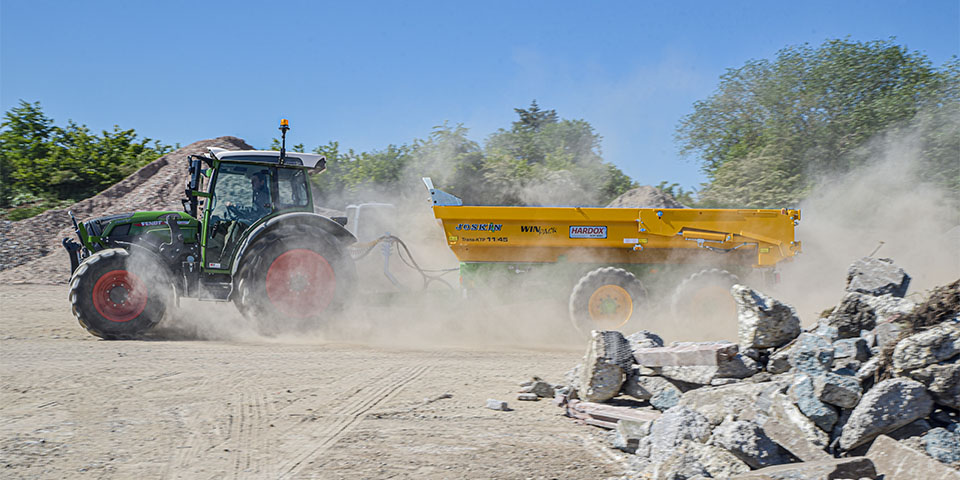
(240, 196)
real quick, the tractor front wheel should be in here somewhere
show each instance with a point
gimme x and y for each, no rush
(117, 296)
(605, 299)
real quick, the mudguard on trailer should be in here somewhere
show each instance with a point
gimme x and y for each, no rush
(324, 223)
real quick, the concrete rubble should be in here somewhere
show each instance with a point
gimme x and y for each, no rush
(869, 390)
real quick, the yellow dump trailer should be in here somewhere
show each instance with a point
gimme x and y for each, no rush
(616, 251)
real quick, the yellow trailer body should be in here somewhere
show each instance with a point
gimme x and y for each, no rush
(762, 237)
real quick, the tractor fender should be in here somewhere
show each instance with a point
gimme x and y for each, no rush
(324, 223)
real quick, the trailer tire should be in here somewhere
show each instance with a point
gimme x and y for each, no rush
(605, 299)
(293, 278)
(115, 298)
(706, 292)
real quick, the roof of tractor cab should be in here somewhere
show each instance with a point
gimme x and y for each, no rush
(309, 160)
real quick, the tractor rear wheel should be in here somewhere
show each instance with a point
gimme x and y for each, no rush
(116, 296)
(605, 299)
(705, 297)
(293, 278)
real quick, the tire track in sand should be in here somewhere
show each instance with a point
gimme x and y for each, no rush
(345, 418)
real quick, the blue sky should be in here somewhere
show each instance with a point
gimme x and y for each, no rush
(369, 74)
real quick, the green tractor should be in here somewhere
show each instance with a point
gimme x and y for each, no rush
(257, 243)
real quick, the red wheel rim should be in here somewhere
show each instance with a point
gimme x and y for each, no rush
(301, 283)
(119, 296)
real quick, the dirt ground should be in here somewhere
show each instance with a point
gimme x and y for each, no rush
(74, 406)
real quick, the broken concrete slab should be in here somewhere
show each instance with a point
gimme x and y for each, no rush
(692, 459)
(886, 407)
(720, 402)
(628, 433)
(936, 345)
(943, 445)
(748, 442)
(804, 395)
(672, 428)
(779, 361)
(786, 425)
(736, 367)
(686, 354)
(896, 461)
(840, 390)
(660, 392)
(494, 404)
(877, 276)
(851, 467)
(854, 314)
(763, 322)
(604, 366)
(942, 381)
(811, 354)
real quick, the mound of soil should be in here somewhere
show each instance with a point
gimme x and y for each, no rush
(646, 196)
(30, 250)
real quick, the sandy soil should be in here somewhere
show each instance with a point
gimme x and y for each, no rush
(74, 406)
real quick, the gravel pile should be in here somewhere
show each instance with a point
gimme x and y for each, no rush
(30, 249)
(865, 388)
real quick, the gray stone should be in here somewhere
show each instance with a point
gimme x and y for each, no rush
(888, 406)
(527, 397)
(672, 428)
(896, 461)
(788, 427)
(665, 399)
(869, 369)
(493, 404)
(915, 428)
(719, 382)
(869, 336)
(803, 394)
(942, 381)
(628, 433)
(811, 354)
(828, 332)
(720, 402)
(855, 348)
(541, 389)
(834, 468)
(877, 276)
(846, 366)
(602, 372)
(644, 339)
(660, 392)
(942, 445)
(748, 442)
(854, 313)
(763, 322)
(939, 344)
(839, 390)
(779, 361)
(693, 459)
(888, 333)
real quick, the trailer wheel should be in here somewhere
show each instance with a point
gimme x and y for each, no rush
(705, 295)
(605, 299)
(116, 296)
(292, 279)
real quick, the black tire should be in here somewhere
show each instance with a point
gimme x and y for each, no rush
(284, 279)
(116, 296)
(705, 293)
(605, 299)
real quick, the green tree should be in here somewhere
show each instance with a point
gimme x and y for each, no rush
(774, 127)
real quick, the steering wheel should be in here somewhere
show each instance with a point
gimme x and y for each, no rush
(233, 212)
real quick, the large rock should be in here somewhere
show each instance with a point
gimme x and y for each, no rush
(748, 442)
(738, 366)
(628, 434)
(877, 276)
(660, 392)
(718, 403)
(936, 345)
(897, 461)
(763, 322)
(671, 429)
(811, 354)
(942, 445)
(942, 381)
(852, 467)
(853, 348)
(788, 427)
(693, 459)
(888, 406)
(804, 395)
(839, 390)
(602, 372)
